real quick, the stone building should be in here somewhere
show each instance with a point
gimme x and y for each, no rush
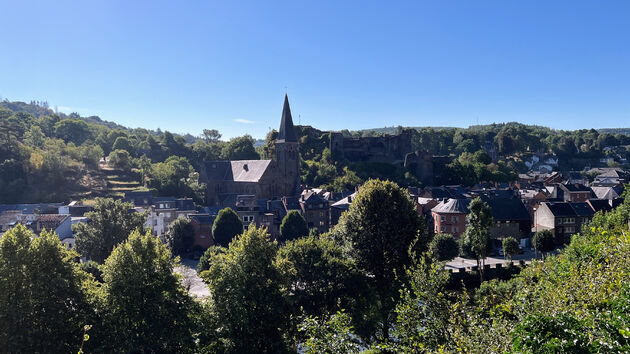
(388, 148)
(262, 178)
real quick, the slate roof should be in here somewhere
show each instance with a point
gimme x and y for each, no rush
(582, 209)
(287, 131)
(30, 208)
(344, 204)
(202, 219)
(452, 206)
(576, 187)
(313, 198)
(238, 171)
(561, 209)
(504, 209)
(605, 192)
(600, 205)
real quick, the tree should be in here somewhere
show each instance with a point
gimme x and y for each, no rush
(204, 261)
(245, 287)
(72, 130)
(330, 335)
(510, 247)
(110, 223)
(293, 226)
(145, 306)
(240, 148)
(544, 242)
(379, 230)
(34, 137)
(144, 164)
(479, 221)
(443, 247)
(119, 159)
(43, 306)
(180, 236)
(320, 279)
(226, 225)
(123, 143)
(211, 135)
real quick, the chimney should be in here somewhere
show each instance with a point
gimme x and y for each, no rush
(245, 167)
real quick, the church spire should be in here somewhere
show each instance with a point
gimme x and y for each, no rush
(287, 131)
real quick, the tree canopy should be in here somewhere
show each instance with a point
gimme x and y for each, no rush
(226, 226)
(293, 226)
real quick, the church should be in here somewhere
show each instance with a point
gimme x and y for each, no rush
(263, 178)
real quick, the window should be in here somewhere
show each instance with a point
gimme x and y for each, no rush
(569, 230)
(248, 218)
(161, 206)
(321, 223)
(454, 218)
(443, 218)
(455, 229)
(442, 228)
(168, 215)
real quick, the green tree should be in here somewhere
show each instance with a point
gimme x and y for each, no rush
(330, 335)
(510, 247)
(34, 137)
(321, 280)
(180, 236)
(119, 159)
(144, 164)
(123, 143)
(110, 224)
(293, 226)
(73, 130)
(211, 135)
(43, 306)
(226, 226)
(443, 247)
(240, 148)
(543, 242)
(145, 306)
(479, 221)
(379, 230)
(245, 287)
(204, 260)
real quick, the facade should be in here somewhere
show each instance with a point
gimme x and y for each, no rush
(264, 179)
(450, 216)
(202, 223)
(563, 218)
(316, 211)
(575, 192)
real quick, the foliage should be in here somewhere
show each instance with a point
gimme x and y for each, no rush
(245, 287)
(381, 240)
(44, 304)
(110, 223)
(510, 247)
(204, 260)
(226, 226)
(119, 159)
(293, 226)
(543, 241)
(240, 148)
(479, 221)
(72, 130)
(146, 307)
(444, 247)
(330, 335)
(176, 177)
(180, 236)
(320, 280)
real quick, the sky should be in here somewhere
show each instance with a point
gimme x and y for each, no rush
(184, 66)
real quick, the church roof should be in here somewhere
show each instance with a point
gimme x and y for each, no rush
(238, 171)
(287, 131)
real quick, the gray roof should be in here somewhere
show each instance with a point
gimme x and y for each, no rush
(238, 171)
(287, 131)
(452, 206)
(605, 192)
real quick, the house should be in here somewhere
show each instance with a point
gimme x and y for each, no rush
(315, 210)
(575, 192)
(337, 208)
(607, 192)
(575, 177)
(247, 209)
(563, 218)
(450, 216)
(139, 198)
(511, 218)
(163, 210)
(602, 205)
(202, 223)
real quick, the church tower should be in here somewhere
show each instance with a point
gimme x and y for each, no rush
(287, 152)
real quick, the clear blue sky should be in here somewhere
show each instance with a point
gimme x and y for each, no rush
(184, 66)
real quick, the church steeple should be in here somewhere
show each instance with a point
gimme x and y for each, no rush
(287, 131)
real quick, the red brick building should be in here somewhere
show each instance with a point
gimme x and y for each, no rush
(449, 217)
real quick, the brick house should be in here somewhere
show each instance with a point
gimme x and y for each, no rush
(450, 216)
(202, 223)
(575, 192)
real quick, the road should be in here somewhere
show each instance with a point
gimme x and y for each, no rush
(460, 262)
(191, 280)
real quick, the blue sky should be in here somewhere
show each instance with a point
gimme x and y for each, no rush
(184, 65)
